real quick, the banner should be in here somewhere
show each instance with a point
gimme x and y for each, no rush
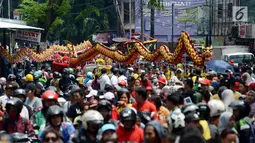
(187, 16)
(28, 36)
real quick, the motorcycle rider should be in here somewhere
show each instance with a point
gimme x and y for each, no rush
(241, 110)
(26, 111)
(105, 108)
(91, 123)
(14, 122)
(55, 117)
(49, 98)
(127, 130)
(65, 81)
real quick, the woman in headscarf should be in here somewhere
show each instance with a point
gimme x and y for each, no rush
(246, 77)
(88, 80)
(227, 97)
(251, 100)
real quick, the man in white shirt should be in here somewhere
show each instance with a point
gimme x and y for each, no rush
(114, 78)
(104, 79)
(122, 76)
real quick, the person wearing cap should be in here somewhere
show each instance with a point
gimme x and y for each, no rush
(8, 92)
(145, 80)
(34, 102)
(177, 78)
(122, 76)
(162, 82)
(104, 79)
(91, 95)
(108, 132)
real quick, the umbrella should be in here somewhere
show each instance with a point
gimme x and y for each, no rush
(219, 66)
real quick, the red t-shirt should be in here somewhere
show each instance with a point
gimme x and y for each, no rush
(146, 83)
(135, 135)
(146, 107)
(115, 114)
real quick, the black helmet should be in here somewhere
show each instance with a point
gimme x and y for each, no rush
(204, 110)
(115, 71)
(39, 85)
(19, 92)
(56, 75)
(191, 112)
(74, 88)
(54, 110)
(16, 102)
(66, 71)
(241, 106)
(127, 114)
(104, 104)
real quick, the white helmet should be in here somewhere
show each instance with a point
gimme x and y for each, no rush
(2, 80)
(91, 115)
(216, 107)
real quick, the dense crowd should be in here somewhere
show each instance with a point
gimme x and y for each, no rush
(128, 104)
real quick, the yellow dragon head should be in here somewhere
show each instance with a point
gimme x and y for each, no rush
(207, 53)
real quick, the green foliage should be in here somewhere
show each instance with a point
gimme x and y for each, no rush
(155, 4)
(32, 11)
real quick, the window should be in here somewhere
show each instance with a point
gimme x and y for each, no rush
(220, 10)
(230, 8)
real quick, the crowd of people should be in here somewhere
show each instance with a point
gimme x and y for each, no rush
(129, 104)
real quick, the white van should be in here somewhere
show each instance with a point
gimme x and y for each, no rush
(239, 58)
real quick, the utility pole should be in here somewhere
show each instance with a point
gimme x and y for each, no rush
(122, 29)
(142, 20)
(152, 3)
(9, 9)
(130, 19)
(1, 7)
(172, 25)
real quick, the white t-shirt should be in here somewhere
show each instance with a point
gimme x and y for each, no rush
(24, 113)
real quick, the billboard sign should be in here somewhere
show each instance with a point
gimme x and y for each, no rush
(187, 16)
(28, 36)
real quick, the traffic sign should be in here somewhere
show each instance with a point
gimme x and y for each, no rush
(240, 14)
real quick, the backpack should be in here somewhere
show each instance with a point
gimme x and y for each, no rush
(252, 133)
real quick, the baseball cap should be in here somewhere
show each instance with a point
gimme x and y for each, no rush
(92, 93)
(252, 86)
(162, 80)
(107, 96)
(122, 83)
(205, 81)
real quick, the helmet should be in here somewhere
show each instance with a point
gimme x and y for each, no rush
(56, 75)
(204, 110)
(115, 71)
(19, 92)
(74, 88)
(16, 102)
(127, 114)
(54, 110)
(52, 88)
(11, 77)
(91, 116)
(2, 80)
(37, 74)
(191, 112)
(216, 107)
(49, 95)
(39, 85)
(66, 71)
(241, 106)
(176, 122)
(29, 78)
(108, 127)
(104, 104)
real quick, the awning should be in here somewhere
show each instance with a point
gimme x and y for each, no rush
(9, 24)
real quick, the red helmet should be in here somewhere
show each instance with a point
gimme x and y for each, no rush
(49, 95)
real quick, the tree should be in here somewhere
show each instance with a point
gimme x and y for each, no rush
(46, 14)
(154, 4)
